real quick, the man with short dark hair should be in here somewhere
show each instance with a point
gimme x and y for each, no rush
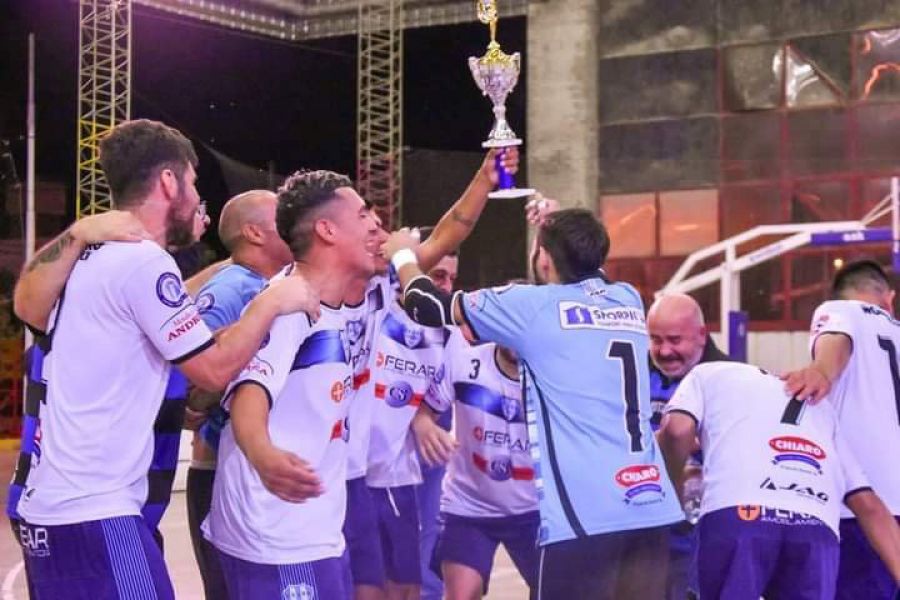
(854, 341)
(582, 342)
(123, 318)
(247, 230)
(279, 498)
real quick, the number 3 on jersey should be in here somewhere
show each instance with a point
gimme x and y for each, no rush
(624, 352)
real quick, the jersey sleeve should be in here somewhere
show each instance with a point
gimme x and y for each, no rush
(855, 479)
(831, 317)
(272, 363)
(688, 398)
(502, 315)
(160, 305)
(220, 304)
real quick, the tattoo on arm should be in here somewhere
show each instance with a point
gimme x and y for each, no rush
(51, 252)
(460, 218)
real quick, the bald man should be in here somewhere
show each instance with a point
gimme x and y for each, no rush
(247, 229)
(679, 341)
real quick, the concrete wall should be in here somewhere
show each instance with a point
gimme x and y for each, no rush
(561, 141)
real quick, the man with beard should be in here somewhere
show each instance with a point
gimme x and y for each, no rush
(120, 316)
(678, 342)
(582, 340)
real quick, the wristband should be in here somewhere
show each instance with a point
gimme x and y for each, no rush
(404, 257)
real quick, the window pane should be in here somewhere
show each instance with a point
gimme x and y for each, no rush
(675, 84)
(879, 142)
(821, 201)
(678, 153)
(642, 28)
(819, 141)
(804, 85)
(630, 220)
(752, 77)
(746, 206)
(877, 57)
(750, 146)
(688, 220)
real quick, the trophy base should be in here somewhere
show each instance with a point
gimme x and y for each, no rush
(511, 193)
(501, 143)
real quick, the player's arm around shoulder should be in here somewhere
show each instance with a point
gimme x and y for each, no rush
(213, 368)
(44, 277)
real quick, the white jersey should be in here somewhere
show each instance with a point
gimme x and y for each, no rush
(362, 323)
(867, 394)
(123, 316)
(305, 371)
(406, 357)
(760, 448)
(491, 474)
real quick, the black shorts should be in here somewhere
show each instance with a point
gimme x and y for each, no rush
(623, 565)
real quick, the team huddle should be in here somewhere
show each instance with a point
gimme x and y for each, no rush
(326, 358)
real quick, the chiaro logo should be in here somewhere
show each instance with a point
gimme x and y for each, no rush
(631, 476)
(641, 482)
(797, 452)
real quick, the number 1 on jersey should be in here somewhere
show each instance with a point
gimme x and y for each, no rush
(887, 345)
(624, 351)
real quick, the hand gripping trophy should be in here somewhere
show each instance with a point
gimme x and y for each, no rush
(496, 75)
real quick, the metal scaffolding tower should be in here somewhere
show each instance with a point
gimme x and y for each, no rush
(104, 92)
(379, 109)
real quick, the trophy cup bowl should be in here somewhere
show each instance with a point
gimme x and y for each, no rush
(496, 74)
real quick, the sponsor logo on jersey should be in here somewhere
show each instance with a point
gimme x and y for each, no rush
(35, 541)
(500, 468)
(182, 325)
(412, 336)
(299, 591)
(641, 483)
(355, 330)
(500, 439)
(399, 394)
(337, 391)
(404, 366)
(798, 454)
(260, 367)
(576, 315)
(804, 491)
(748, 512)
(170, 291)
(205, 302)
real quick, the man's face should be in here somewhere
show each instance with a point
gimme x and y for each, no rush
(676, 343)
(357, 234)
(444, 274)
(183, 210)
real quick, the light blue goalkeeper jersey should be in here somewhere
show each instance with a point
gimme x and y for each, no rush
(584, 360)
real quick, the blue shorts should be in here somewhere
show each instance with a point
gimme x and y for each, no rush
(398, 528)
(861, 574)
(319, 579)
(113, 558)
(750, 551)
(361, 532)
(473, 541)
